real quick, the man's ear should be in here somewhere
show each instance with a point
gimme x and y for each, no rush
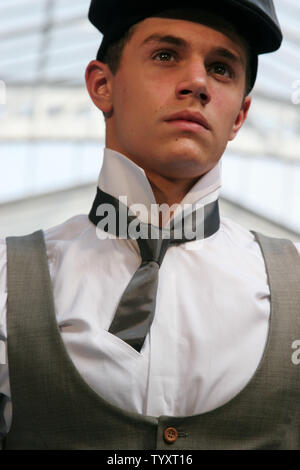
(98, 78)
(240, 117)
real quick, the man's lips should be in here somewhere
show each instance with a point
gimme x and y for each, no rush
(189, 117)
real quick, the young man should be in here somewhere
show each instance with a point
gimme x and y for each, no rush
(157, 343)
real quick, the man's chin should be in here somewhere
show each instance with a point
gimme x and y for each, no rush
(184, 167)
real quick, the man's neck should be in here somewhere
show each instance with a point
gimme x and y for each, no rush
(169, 190)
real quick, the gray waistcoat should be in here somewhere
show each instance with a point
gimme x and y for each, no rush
(54, 408)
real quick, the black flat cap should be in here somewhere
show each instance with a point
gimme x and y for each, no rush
(255, 20)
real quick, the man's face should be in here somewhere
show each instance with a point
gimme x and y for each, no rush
(195, 69)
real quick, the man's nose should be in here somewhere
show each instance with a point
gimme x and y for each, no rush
(193, 82)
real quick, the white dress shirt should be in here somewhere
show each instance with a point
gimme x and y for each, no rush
(212, 312)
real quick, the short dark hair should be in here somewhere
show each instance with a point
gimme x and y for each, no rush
(113, 54)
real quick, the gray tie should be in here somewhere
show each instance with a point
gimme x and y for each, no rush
(135, 312)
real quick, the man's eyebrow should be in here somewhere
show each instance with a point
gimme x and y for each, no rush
(178, 41)
(223, 52)
(161, 38)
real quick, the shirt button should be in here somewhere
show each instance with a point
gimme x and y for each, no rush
(170, 435)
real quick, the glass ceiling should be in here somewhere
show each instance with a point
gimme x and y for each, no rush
(51, 41)
(45, 46)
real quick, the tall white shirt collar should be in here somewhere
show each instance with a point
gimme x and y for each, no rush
(120, 176)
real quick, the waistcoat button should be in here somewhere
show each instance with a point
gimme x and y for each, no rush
(170, 435)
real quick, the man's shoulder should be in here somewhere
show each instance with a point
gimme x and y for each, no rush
(237, 233)
(68, 230)
(297, 246)
(240, 233)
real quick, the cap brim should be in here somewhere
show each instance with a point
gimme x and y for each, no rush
(262, 33)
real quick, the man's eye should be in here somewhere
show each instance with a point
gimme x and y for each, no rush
(221, 69)
(164, 56)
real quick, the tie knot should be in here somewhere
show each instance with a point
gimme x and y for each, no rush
(153, 249)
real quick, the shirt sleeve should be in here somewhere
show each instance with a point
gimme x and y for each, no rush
(297, 245)
(3, 303)
(4, 381)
